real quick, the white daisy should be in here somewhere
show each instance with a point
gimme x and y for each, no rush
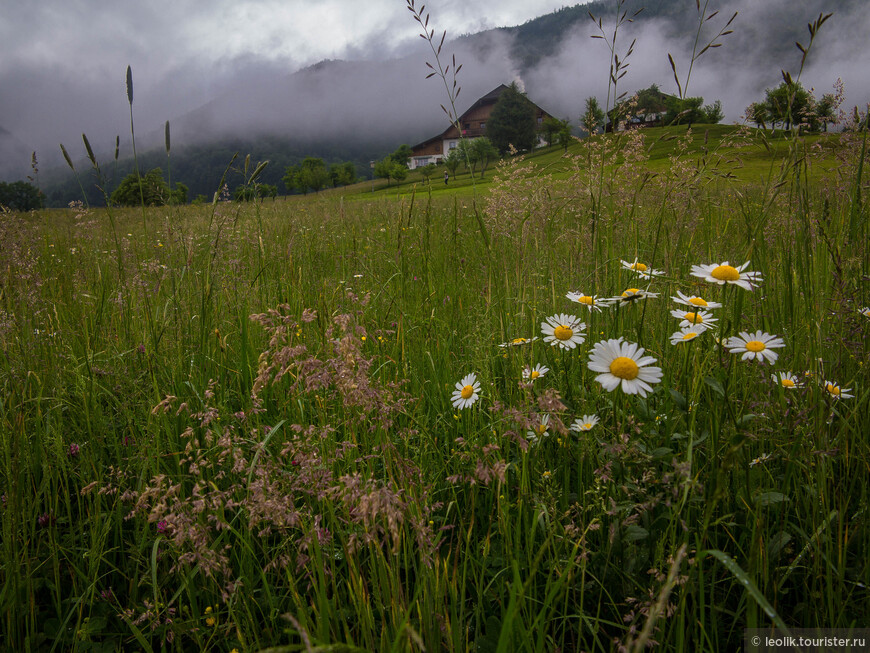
(532, 373)
(787, 380)
(466, 392)
(756, 346)
(865, 311)
(540, 431)
(632, 295)
(623, 363)
(723, 273)
(566, 331)
(694, 301)
(592, 302)
(760, 460)
(836, 391)
(641, 269)
(516, 342)
(702, 319)
(687, 334)
(585, 423)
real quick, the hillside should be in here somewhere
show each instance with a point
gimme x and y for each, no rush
(753, 158)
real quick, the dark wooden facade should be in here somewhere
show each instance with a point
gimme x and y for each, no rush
(472, 124)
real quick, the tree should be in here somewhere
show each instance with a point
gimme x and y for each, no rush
(179, 195)
(154, 190)
(563, 136)
(388, 169)
(554, 130)
(484, 153)
(550, 127)
(402, 155)
(249, 193)
(713, 113)
(313, 174)
(467, 155)
(512, 121)
(826, 109)
(757, 114)
(593, 118)
(342, 174)
(400, 171)
(427, 171)
(20, 196)
(683, 111)
(787, 103)
(452, 161)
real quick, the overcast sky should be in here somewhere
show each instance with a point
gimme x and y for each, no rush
(62, 62)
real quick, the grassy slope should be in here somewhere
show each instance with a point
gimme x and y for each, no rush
(756, 157)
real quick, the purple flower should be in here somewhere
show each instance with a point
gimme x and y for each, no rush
(162, 526)
(45, 520)
(73, 450)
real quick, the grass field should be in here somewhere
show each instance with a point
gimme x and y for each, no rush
(749, 155)
(235, 426)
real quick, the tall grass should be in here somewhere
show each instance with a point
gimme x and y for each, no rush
(230, 427)
(233, 429)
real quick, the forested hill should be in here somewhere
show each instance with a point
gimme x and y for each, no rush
(201, 166)
(774, 27)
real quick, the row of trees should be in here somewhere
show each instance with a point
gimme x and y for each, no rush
(653, 105)
(20, 196)
(313, 174)
(790, 104)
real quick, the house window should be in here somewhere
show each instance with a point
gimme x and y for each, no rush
(540, 120)
(451, 145)
(467, 125)
(483, 125)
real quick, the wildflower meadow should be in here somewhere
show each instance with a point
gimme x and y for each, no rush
(588, 405)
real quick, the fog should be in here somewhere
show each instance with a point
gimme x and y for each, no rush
(377, 91)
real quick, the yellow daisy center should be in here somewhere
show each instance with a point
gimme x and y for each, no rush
(689, 336)
(832, 389)
(694, 318)
(541, 429)
(563, 332)
(630, 291)
(467, 391)
(787, 383)
(725, 273)
(639, 266)
(518, 341)
(697, 301)
(585, 299)
(587, 426)
(534, 374)
(755, 345)
(624, 367)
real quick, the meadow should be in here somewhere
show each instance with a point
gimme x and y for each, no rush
(254, 426)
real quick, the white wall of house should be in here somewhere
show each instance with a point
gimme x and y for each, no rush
(449, 145)
(420, 161)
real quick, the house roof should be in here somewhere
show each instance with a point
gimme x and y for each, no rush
(490, 98)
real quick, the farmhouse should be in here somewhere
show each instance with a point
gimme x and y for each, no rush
(473, 124)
